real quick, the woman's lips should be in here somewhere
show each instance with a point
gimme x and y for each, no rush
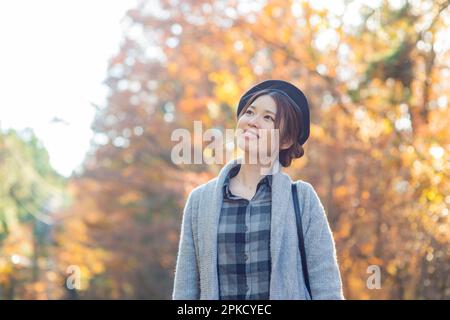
(251, 134)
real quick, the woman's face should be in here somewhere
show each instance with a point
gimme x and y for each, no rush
(256, 134)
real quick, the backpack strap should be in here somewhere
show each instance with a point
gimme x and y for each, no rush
(300, 238)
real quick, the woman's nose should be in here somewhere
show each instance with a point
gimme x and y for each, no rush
(254, 121)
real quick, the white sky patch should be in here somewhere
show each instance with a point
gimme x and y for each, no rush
(54, 58)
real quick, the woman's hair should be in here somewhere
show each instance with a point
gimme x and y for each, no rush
(290, 119)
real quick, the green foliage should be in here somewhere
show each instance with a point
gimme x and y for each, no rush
(28, 180)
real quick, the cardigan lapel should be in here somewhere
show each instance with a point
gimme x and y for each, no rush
(212, 215)
(281, 197)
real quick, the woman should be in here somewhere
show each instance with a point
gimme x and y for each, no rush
(239, 235)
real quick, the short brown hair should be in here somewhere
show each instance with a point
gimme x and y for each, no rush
(291, 118)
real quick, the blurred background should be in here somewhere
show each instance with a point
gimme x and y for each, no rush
(90, 201)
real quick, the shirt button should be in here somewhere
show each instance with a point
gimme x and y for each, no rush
(246, 287)
(245, 257)
(246, 228)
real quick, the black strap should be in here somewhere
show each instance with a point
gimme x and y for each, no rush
(300, 238)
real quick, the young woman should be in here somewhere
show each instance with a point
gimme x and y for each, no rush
(239, 235)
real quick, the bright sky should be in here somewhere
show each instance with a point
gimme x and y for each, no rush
(52, 63)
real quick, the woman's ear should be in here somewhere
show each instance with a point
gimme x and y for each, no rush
(286, 145)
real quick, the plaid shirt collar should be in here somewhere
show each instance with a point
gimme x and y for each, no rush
(233, 172)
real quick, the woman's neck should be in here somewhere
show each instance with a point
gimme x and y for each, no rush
(249, 175)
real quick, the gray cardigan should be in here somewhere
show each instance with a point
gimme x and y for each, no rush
(196, 268)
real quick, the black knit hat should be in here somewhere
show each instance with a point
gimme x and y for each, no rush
(293, 93)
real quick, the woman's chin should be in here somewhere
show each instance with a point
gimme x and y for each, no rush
(251, 156)
(247, 146)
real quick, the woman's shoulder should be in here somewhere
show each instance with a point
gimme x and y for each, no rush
(205, 187)
(304, 188)
(201, 196)
(307, 194)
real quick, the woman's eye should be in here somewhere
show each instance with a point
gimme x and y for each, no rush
(269, 118)
(248, 112)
